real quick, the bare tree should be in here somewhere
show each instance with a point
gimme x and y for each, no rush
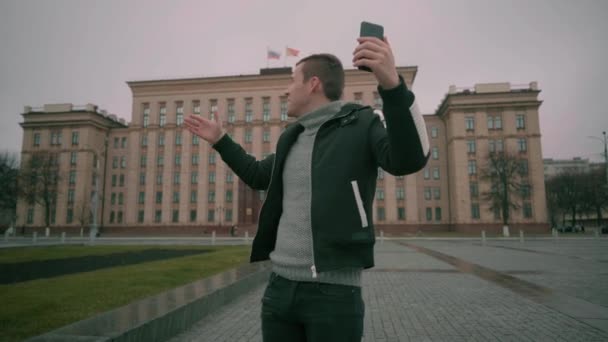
(9, 171)
(504, 172)
(594, 196)
(39, 180)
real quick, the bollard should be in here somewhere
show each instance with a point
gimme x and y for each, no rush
(382, 236)
(483, 237)
(521, 236)
(246, 236)
(35, 237)
(213, 237)
(63, 237)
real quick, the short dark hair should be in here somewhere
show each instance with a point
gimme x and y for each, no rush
(329, 70)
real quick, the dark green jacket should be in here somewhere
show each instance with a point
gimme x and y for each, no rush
(347, 152)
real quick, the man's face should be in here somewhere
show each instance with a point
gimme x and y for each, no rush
(298, 93)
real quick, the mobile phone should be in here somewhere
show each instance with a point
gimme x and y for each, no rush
(370, 30)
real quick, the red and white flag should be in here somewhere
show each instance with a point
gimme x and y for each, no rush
(291, 52)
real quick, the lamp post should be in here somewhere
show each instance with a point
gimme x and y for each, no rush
(605, 141)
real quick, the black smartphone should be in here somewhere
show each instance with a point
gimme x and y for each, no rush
(370, 30)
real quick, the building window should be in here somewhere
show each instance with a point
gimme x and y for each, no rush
(69, 216)
(248, 135)
(211, 177)
(498, 122)
(73, 158)
(228, 215)
(161, 139)
(266, 109)
(175, 196)
(112, 216)
(380, 194)
(380, 213)
(116, 142)
(115, 162)
(499, 145)
(212, 108)
(158, 216)
(114, 180)
(377, 101)
(179, 114)
(435, 173)
(195, 159)
(71, 196)
(144, 140)
(429, 214)
(475, 210)
(230, 110)
(121, 180)
(36, 139)
(196, 107)
(525, 190)
(72, 177)
(229, 196)
(210, 215)
(427, 173)
(469, 123)
(435, 153)
(434, 132)
(163, 116)
(140, 216)
(74, 138)
(229, 177)
(438, 214)
(159, 179)
(380, 174)
(437, 193)
(527, 210)
(121, 198)
(472, 166)
(211, 158)
(146, 115)
(471, 146)
(160, 161)
(211, 196)
(178, 159)
(427, 193)
(143, 160)
(30, 216)
(193, 196)
(141, 198)
(523, 167)
(400, 194)
(283, 108)
(142, 178)
(192, 215)
(520, 122)
(474, 189)
(195, 140)
(491, 146)
(178, 138)
(248, 110)
(176, 178)
(266, 136)
(119, 217)
(358, 98)
(123, 142)
(159, 197)
(401, 213)
(522, 145)
(123, 162)
(194, 177)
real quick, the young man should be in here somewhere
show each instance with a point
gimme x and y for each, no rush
(315, 225)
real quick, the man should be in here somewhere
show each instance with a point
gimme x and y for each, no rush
(315, 225)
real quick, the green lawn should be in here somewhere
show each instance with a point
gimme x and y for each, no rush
(34, 307)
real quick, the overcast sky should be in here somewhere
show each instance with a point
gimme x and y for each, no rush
(57, 51)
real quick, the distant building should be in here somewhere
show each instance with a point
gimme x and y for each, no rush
(155, 177)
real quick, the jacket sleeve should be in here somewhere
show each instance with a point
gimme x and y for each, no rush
(403, 146)
(255, 173)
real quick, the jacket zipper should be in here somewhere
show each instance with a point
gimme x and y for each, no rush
(360, 208)
(269, 184)
(313, 268)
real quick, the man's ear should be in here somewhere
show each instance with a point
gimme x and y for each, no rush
(315, 85)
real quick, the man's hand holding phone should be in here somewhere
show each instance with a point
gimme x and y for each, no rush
(375, 53)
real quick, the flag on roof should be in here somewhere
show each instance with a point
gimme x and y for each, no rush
(272, 54)
(292, 52)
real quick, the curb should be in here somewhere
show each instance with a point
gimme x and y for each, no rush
(160, 317)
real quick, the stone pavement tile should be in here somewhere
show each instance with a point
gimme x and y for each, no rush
(406, 305)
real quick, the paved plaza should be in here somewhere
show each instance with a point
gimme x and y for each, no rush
(461, 290)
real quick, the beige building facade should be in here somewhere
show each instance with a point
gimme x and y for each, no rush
(155, 177)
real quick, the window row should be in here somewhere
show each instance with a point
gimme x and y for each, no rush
(494, 122)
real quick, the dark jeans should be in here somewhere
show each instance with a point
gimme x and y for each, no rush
(310, 311)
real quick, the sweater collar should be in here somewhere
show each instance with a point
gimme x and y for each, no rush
(313, 120)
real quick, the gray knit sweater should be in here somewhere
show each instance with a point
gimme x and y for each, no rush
(293, 254)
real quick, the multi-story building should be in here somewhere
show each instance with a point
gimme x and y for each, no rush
(157, 177)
